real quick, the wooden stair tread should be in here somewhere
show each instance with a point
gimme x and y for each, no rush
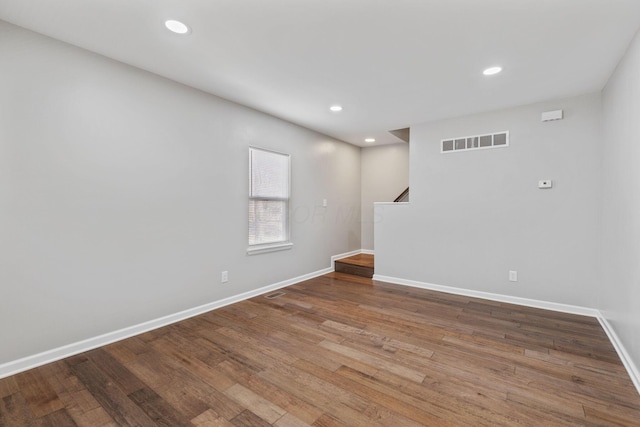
(358, 265)
(363, 260)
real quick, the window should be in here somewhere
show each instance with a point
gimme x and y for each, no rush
(268, 201)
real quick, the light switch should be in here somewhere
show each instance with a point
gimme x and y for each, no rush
(545, 183)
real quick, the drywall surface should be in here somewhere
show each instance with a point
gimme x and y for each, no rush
(476, 215)
(385, 175)
(620, 295)
(123, 196)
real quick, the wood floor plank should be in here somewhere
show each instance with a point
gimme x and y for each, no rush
(248, 419)
(413, 412)
(8, 386)
(111, 398)
(296, 349)
(612, 416)
(113, 369)
(187, 393)
(327, 420)
(14, 411)
(129, 348)
(291, 403)
(97, 417)
(60, 418)
(38, 393)
(200, 363)
(260, 406)
(376, 362)
(341, 403)
(80, 404)
(340, 351)
(210, 418)
(578, 386)
(289, 420)
(160, 411)
(440, 407)
(377, 340)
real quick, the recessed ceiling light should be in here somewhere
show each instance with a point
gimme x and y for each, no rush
(491, 71)
(335, 108)
(370, 140)
(176, 26)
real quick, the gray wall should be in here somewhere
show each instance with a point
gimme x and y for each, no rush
(620, 294)
(124, 195)
(385, 174)
(473, 216)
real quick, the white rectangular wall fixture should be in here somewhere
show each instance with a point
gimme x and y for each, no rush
(545, 183)
(549, 116)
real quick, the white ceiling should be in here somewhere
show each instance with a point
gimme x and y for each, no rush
(389, 63)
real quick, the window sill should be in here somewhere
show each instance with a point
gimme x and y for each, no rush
(255, 250)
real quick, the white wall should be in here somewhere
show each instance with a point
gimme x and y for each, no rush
(124, 195)
(385, 175)
(473, 216)
(620, 293)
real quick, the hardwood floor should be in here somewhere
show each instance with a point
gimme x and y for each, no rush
(340, 350)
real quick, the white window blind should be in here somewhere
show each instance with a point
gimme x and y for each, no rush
(268, 198)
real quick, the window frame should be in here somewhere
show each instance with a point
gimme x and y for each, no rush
(280, 245)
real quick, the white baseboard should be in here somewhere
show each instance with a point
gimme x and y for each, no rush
(563, 308)
(626, 359)
(30, 362)
(367, 251)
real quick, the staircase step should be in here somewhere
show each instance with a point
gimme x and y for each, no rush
(357, 265)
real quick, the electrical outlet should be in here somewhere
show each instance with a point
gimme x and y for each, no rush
(513, 276)
(224, 277)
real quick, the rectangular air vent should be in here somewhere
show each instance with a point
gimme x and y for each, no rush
(274, 295)
(466, 143)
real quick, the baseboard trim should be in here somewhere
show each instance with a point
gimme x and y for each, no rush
(30, 362)
(563, 308)
(367, 251)
(626, 359)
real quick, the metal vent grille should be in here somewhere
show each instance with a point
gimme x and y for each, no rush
(274, 295)
(476, 142)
